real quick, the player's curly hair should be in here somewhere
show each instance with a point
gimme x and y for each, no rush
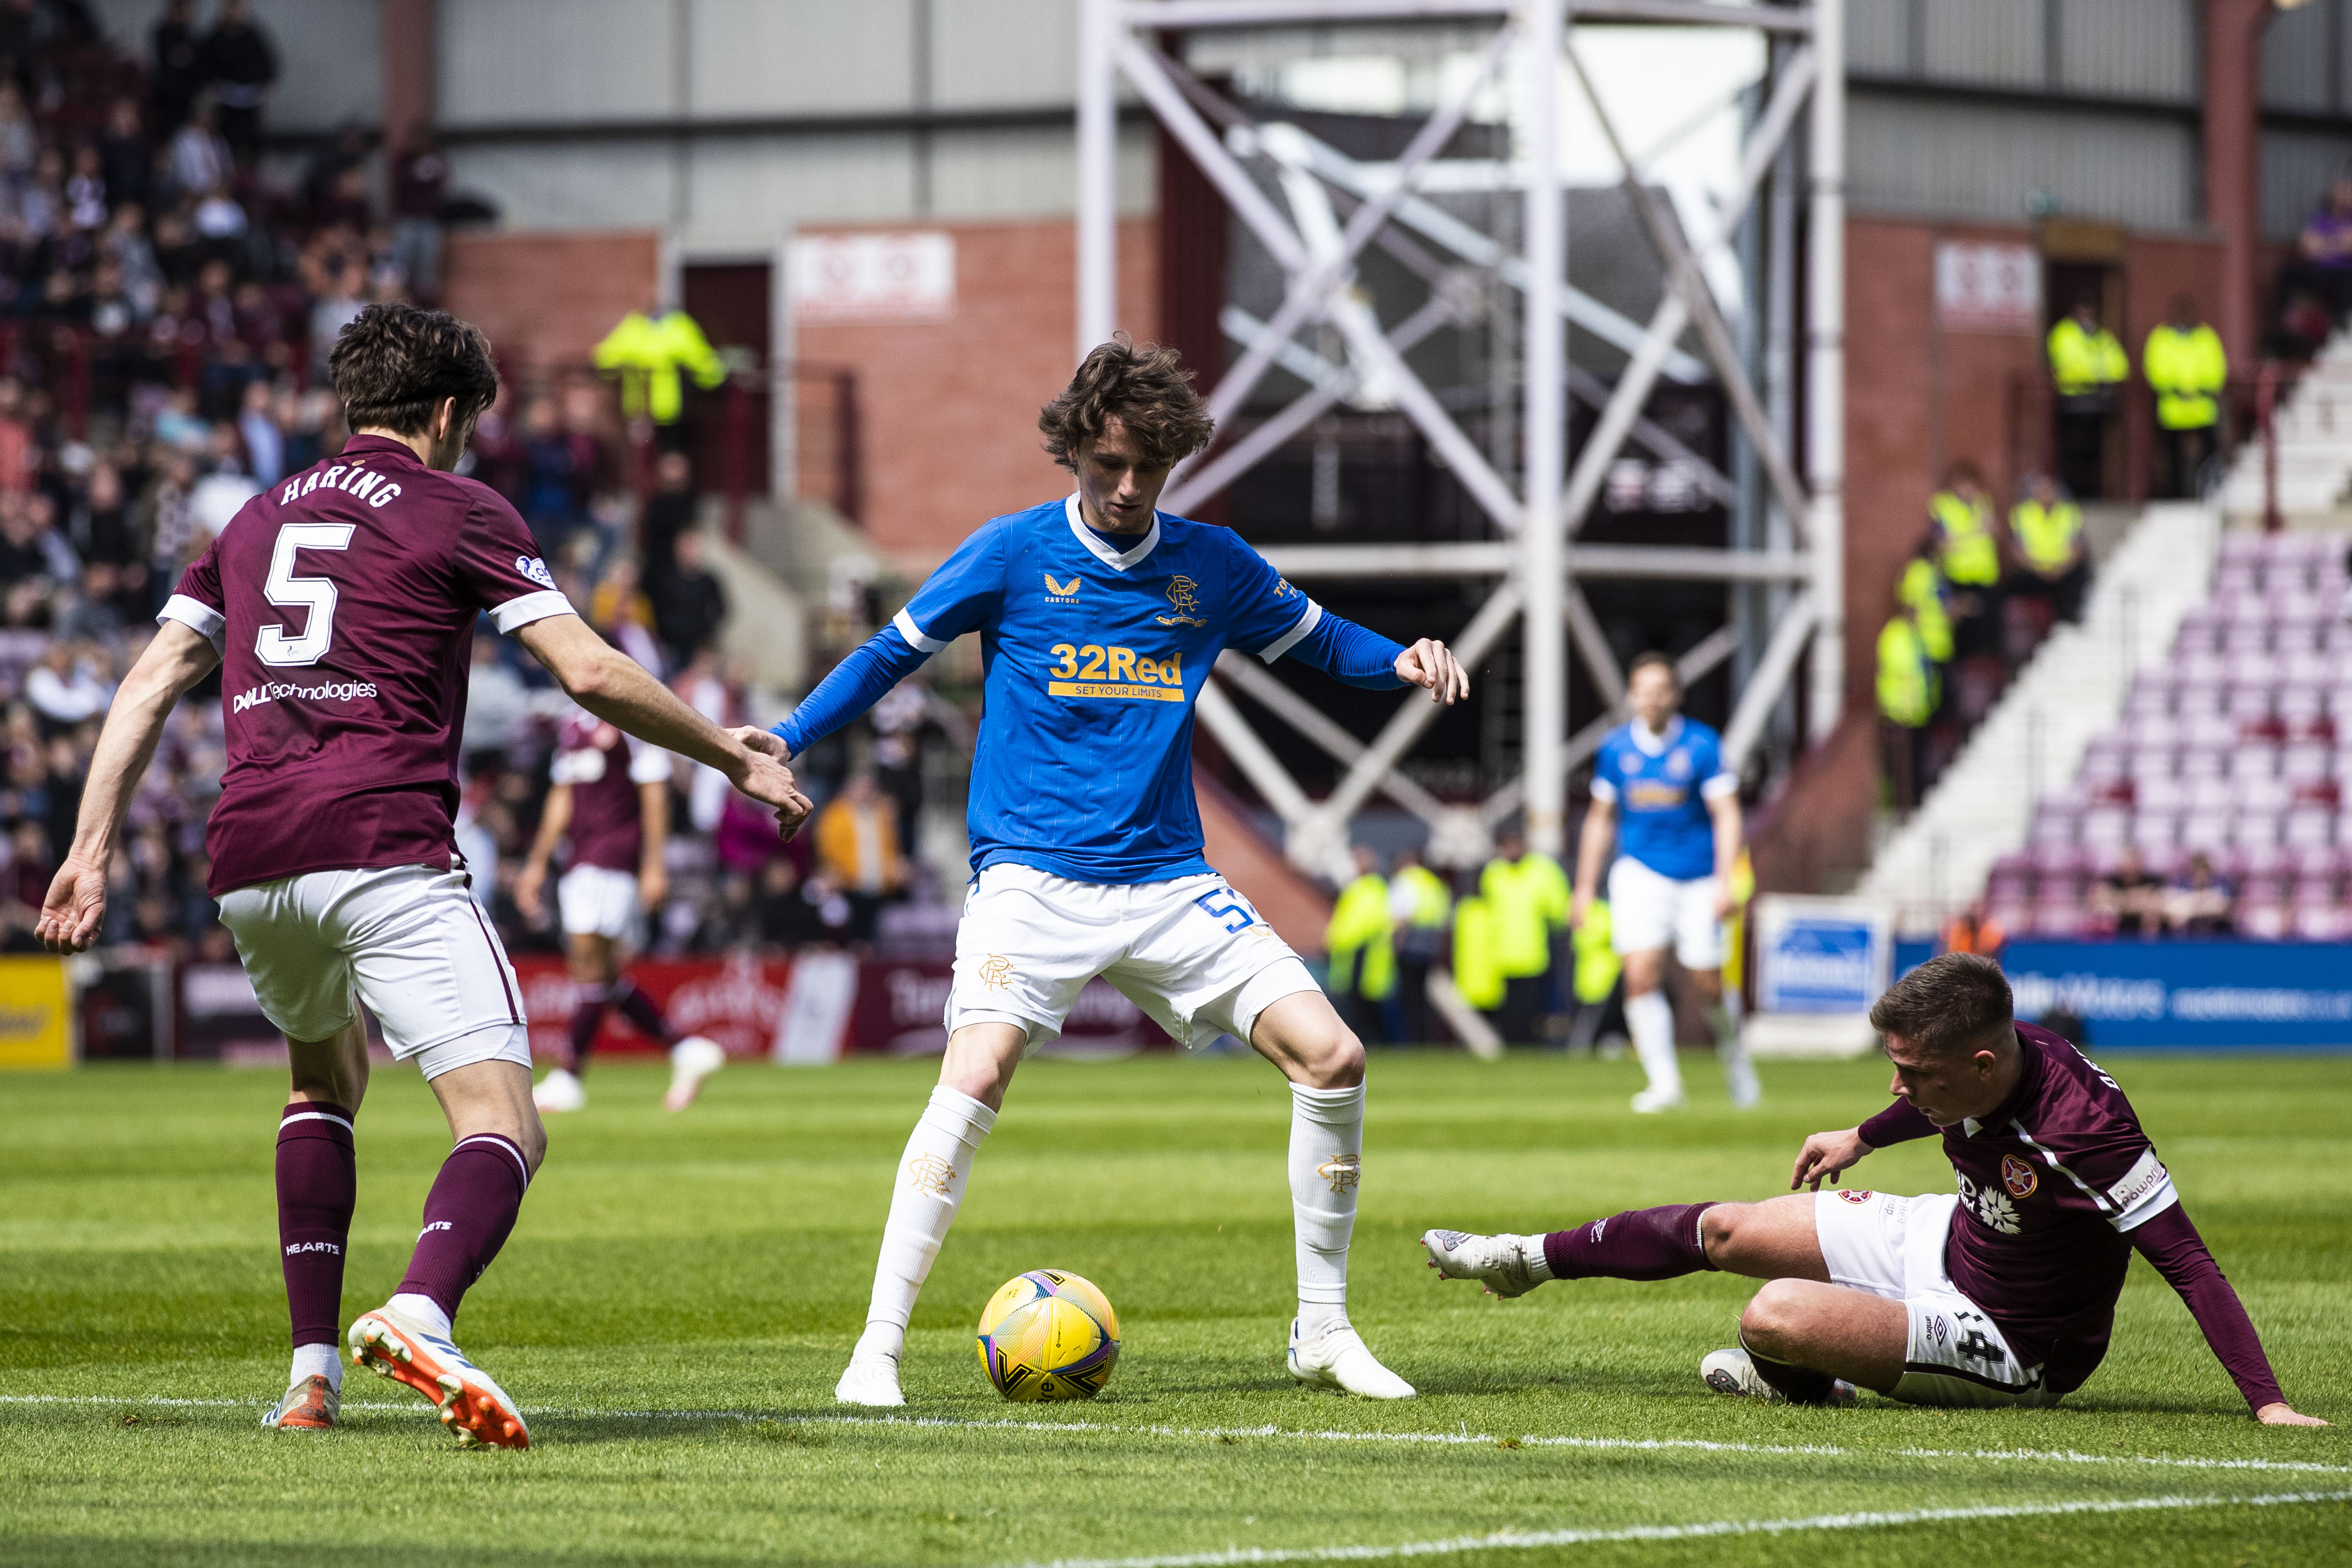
(1954, 1002)
(1147, 389)
(395, 363)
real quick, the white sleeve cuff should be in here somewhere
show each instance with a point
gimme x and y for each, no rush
(1289, 639)
(1718, 786)
(914, 634)
(197, 617)
(1602, 790)
(539, 606)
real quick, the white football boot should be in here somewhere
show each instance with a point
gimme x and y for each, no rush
(1337, 1358)
(1733, 1372)
(691, 1060)
(1498, 1262)
(872, 1379)
(1650, 1102)
(392, 1344)
(559, 1091)
(308, 1404)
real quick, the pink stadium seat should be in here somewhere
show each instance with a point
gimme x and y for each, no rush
(2321, 922)
(2063, 919)
(2106, 827)
(2235, 578)
(2336, 638)
(2261, 922)
(2155, 752)
(2261, 796)
(2308, 828)
(2208, 730)
(2305, 761)
(2159, 794)
(2200, 667)
(2307, 667)
(2253, 668)
(2262, 860)
(2197, 699)
(2253, 830)
(2309, 889)
(2205, 763)
(2206, 830)
(2304, 711)
(2254, 762)
(2247, 637)
(2156, 831)
(2065, 863)
(2146, 702)
(2251, 699)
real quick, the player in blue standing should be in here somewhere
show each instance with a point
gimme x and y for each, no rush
(1660, 790)
(1099, 619)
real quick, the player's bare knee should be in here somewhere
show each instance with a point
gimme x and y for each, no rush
(1341, 1065)
(1720, 1233)
(1773, 1318)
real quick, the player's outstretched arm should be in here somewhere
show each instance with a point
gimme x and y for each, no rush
(1591, 850)
(2172, 1246)
(75, 907)
(617, 689)
(554, 820)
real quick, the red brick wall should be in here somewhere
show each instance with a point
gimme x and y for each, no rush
(948, 410)
(548, 298)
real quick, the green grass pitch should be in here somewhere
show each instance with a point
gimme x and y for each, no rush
(682, 1291)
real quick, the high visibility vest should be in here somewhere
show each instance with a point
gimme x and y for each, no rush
(1907, 679)
(1964, 538)
(1359, 928)
(647, 354)
(1477, 974)
(1529, 898)
(2185, 369)
(2083, 362)
(1597, 964)
(1432, 902)
(2050, 536)
(1920, 590)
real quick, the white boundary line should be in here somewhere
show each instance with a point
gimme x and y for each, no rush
(1444, 1440)
(1519, 1541)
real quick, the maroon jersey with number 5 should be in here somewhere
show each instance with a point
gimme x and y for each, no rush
(343, 602)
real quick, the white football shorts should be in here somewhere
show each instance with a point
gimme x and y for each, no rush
(1190, 953)
(596, 900)
(1648, 911)
(1894, 1246)
(411, 942)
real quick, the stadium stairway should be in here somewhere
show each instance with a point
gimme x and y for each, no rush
(2071, 689)
(2314, 446)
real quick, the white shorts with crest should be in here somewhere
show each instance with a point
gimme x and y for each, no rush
(1191, 953)
(1894, 1246)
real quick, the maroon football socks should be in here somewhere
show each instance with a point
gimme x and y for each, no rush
(318, 1183)
(644, 1014)
(467, 1215)
(1640, 1244)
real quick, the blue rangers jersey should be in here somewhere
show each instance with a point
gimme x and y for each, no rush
(1660, 786)
(1095, 646)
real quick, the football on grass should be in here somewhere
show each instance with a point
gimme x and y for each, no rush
(1048, 1334)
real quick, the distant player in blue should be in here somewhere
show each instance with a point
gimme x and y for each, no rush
(1098, 618)
(1661, 791)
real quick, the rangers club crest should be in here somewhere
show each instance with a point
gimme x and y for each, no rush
(2018, 1176)
(1184, 594)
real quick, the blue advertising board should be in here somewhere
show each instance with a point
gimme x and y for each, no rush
(1820, 955)
(2209, 996)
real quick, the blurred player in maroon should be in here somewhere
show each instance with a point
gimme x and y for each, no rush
(340, 606)
(611, 798)
(2003, 1294)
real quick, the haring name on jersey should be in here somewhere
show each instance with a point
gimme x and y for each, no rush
(1095, 671)
(365, 483)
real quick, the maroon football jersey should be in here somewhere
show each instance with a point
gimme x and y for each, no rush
(603, 767)
(2052, 1184)
(343, 602)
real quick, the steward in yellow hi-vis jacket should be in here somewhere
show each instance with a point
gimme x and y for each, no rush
(2048, 529)
(2187, 368)
(647, 352)
(1363, 960)
(2086, 365)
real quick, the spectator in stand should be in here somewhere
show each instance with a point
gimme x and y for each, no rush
(124, 243)
(554, 493)
(420, 175)
(2130, 899)
(330, 162)
(690, 604)
(29, 545)
(20, 143)
(1967, 549)
(2323, 263)
(85, 189)
(1973, 931)
(2199, 902)
(126, 158)
(65, 688)
(198, 159)
(338, 307)
(670, 512)
(899, 720)
(239, 65)
(620, 610)
(175, 71)
(257, 426)
(858, 845)
(94, 617)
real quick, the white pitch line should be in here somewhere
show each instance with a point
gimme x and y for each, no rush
(1508, 1541)
(1442, 1439)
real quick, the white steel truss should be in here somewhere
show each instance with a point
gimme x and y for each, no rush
(1337, 208)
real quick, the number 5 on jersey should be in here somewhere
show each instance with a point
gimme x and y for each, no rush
(316, 595)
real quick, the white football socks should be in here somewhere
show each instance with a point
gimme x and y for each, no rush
(424, 1311)
(317, 1361)
(1327, 1143)
(930, 1187)
(1652, 1020)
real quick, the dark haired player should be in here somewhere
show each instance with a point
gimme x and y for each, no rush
(2001, 1295)
(341, 606)
(1098, 618)
(610, 797)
